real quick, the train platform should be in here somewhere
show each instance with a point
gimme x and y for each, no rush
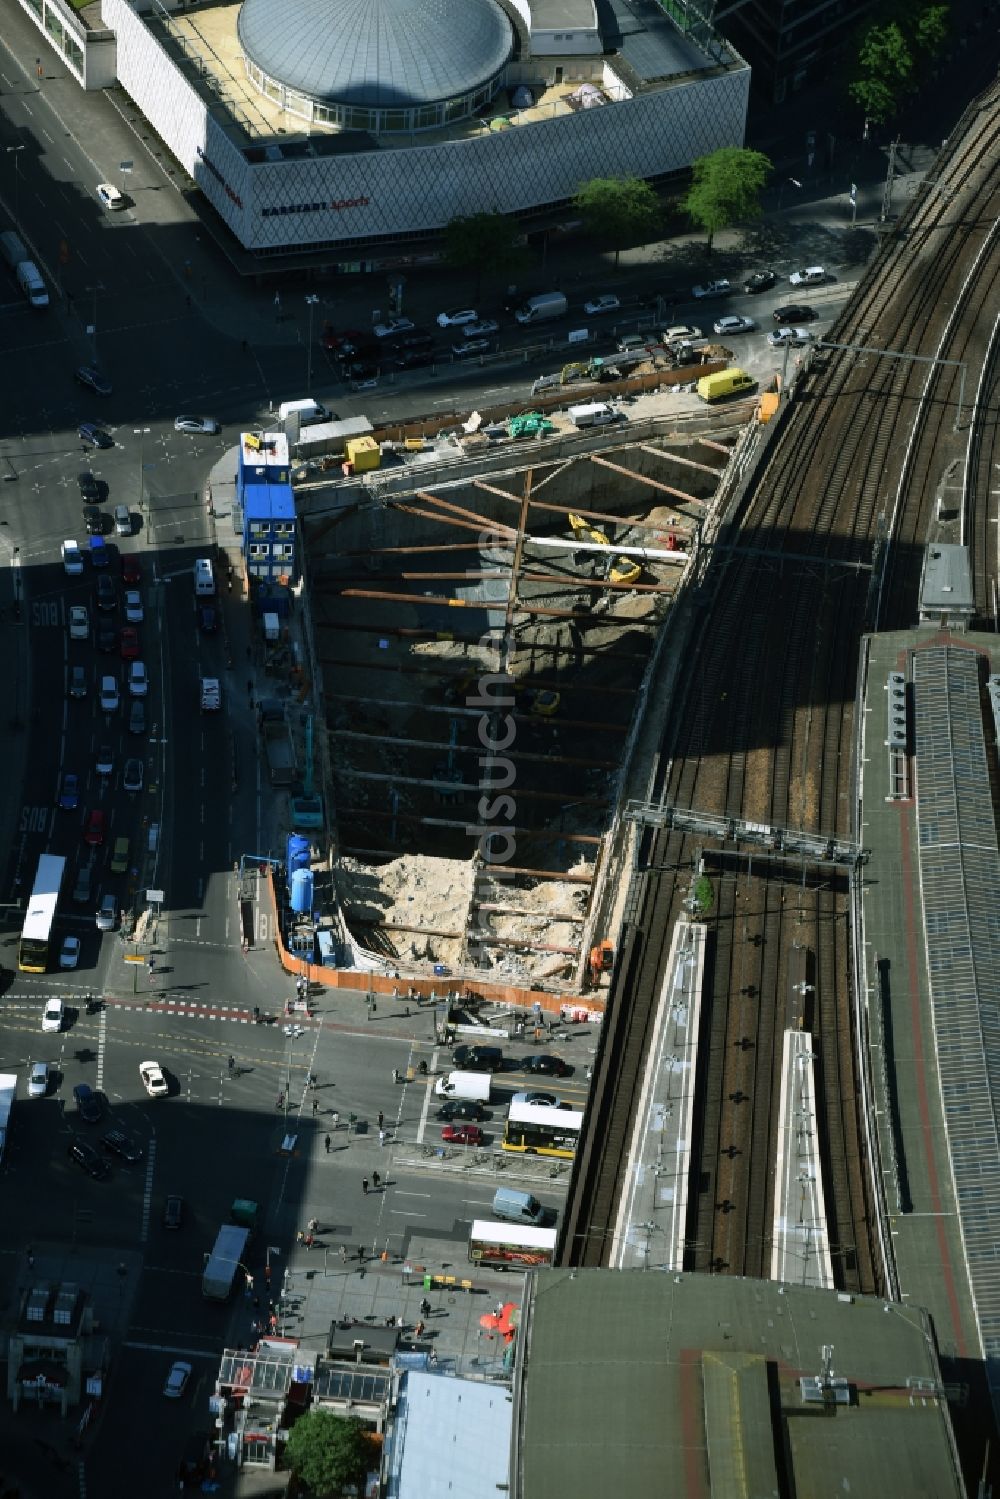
(913, 1144)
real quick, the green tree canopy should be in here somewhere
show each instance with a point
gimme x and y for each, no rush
(483, 241)
(726, 188)
(619, 211)
(890, 53)
(328, 1452)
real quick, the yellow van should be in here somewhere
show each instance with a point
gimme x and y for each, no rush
(119, 859)
(725, 383)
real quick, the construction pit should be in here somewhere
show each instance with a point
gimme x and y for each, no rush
(483, 643)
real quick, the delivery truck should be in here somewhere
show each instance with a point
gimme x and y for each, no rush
(223, 1263)
(544, 307)
(471, 1087)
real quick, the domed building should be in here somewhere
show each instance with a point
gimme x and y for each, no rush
(382, 66)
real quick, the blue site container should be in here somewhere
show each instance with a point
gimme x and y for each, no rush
(296, 853)
(302, 891)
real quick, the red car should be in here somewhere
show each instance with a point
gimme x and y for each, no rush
(129, 643)
(93, 828)
(131, 568)
(462, 1134)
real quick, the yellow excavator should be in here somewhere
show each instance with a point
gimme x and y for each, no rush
(620, 569)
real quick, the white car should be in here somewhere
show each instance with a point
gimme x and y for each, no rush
(177, 1379)
(38, 1080)
(69, 953)
(72, 560)
(138, 682)
(393, 326)
(107, 914)
(605, 303)
(52, 1015)
(680, 333)
(153, 1080)
(793, 336)
(133, 606)
(711, 289)
(79, 622)
(109, 695)
(734, 325)
(813, 275)
(110, 196)
(457, 318)
(485, 328)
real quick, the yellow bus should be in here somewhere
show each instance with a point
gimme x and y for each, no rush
(535, 1129)
(36, 934)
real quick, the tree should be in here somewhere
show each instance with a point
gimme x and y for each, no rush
(328, 1452)
(480, 241)
(889, 55)
(931, 29)
(726, 188)
(621, 211)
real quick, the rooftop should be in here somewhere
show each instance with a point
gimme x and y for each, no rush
(703, 1377)
(946, 584)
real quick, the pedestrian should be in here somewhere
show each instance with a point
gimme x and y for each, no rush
(376, 1180)
(267, 1274)
(498, 1309)
(433, 1358)
(315, 1107)
(361, 1254)
(381, 1118)
(299, 1236)
(381, 1137)
(326, 1142)
(395, 1074)
(425, 1308)
(274, 1322)
(343, 1254)
(313, 1225)
(232, 1064)
(335, 1117)
(309, 1241)
(364, 1185)
(418, 1331)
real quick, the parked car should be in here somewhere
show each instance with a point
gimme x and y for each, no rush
(177, 1379)
(69, 951)
(88, 1159)
(131, 568)
(94, 379)
(478, 1058)
(461, 1109)
(173, 1212)
(53, 1015)
(607, 302)
(69, 794)
(362, 376)
(197, 425)
(546, 1065)
(72, 559)
(94, 434)
(109, 695)
(137, 716)
(88, 1103)
(457, 317)
(107, 913)
(462, 1134)
(474, 346)
(128, 643)
(680, 333)
(730, 325)
(77, 681)
(105, 636)
(485, 328)
(106, 593)
(93, 521)
(760, 281)
(95, 827)
(793, 336)
(208, 619)
(711, 289)
(133, 773)
(117, 1142)
(153, 1080)
(104, 762)
(812, 275)
(792, 313)
(393, 327)
(38, 1079)
(79, 622)
(138, 682)
(133, 606)
(414, 359)
(90, 488)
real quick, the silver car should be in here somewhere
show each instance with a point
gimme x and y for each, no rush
(38, 1080)
(107, 914)
(197, 424)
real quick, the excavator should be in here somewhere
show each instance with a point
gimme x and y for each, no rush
(620, 569)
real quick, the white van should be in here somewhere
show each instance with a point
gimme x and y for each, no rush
(307, 410)
(518, 1207)
(473, 1087)
(29, 279)
(204, 578)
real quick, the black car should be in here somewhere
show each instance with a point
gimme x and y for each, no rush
(208, 620)
(88, 1159)
(173, 1212)
(91, 489)
(117, 1142)
(92, 433)
(478, 1058)
(415, 359)
(787, 317)
(760, 281)
(94, 379)
(545, 1066)
(106, 597)
(88, 1103)
(461, 1109)
(137, 716)
(416, 341)
(93, 519)
(106, 636)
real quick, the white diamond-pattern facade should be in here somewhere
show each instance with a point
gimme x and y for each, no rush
(389, 194)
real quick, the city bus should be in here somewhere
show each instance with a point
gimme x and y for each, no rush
(503, 1246)
(535, 1129)
(36, 934)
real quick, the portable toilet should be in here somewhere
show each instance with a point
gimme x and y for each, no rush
(296, 853)
(302, 891)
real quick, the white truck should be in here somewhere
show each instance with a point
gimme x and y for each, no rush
(211, 694)
(540, 309)
(471, 1087)
(224, 1261)
(8, 1093)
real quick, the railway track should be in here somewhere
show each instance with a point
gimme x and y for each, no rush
(764, 726)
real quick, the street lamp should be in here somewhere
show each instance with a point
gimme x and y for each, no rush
(15, 151)
(142, 433)
(311, 302)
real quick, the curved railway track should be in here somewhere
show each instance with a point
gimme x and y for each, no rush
(763, 728)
